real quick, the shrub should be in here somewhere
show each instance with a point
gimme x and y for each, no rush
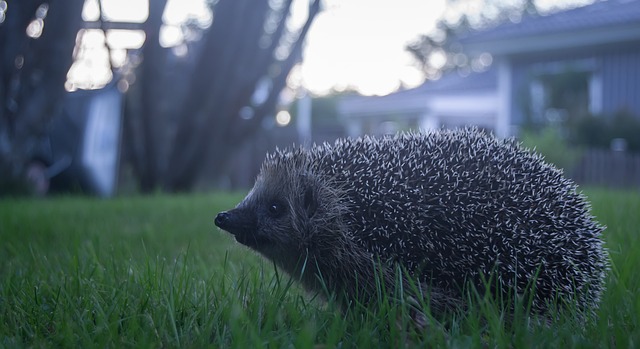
(549, 142)
(598, 131)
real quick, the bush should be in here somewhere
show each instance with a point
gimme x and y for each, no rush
(598, 131)
(552, 146)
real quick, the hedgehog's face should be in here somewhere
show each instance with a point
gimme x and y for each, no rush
(271, 218)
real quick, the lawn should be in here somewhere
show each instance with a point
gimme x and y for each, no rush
(155, 272)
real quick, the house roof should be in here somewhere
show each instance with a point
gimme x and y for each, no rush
(417, 99)
(599, 23)
(453, 83)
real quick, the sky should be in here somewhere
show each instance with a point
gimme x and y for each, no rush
(361, 44)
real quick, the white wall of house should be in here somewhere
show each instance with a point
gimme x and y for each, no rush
(504, 98)
(427, 112)
(458, 110)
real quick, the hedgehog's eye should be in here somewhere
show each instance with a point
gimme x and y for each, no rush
(276, 209)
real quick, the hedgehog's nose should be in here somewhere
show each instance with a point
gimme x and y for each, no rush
(222, 220)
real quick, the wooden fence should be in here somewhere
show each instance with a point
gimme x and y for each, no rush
(608, 169)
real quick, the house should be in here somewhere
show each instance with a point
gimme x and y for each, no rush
(545, 68)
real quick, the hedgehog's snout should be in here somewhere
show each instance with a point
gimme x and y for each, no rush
(222, 220)
(233, 221)
(241, 223)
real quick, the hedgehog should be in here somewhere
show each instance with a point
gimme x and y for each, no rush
(450, 210)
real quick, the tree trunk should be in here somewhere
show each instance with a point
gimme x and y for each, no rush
(216, 129)
(170, 145)
(143, 123)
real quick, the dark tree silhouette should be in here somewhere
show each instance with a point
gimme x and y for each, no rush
(144, 117)
(439, 51)
(37, 39)
(176, 127)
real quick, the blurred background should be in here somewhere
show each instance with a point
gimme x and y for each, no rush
(138, 96)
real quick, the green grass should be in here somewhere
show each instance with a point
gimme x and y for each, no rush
(155, 272)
